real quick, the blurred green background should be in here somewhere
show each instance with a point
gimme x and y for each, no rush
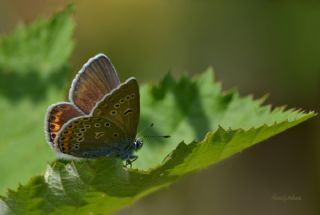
(259, 47)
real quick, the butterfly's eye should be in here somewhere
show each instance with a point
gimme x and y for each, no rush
(107, 124)
(121, 101)
(138, 144)
(86, 119)
(86, 126)
(113, 112)
(132, 95)
(127, 97)
(97, 125)
(116, 105)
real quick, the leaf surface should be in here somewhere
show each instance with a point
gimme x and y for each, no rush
(207, 125)
(33, 74)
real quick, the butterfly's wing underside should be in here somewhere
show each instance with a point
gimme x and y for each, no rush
(102, 117)
(96, 78)
(123, 107)
(90, 137)
(110, 128)
(58, 115)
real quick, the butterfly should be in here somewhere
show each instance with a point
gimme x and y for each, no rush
(101, 118)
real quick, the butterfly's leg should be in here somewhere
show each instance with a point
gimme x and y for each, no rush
(130, 160)
(128, 163)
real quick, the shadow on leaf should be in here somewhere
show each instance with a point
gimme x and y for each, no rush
(15, 86)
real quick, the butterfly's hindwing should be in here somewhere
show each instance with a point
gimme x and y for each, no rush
(57, 116)
(90, 137)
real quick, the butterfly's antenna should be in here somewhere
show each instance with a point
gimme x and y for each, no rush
(163, 136)
(151, 136)
(145, 128)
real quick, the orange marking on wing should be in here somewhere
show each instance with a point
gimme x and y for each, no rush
(54, 118)
(54, 127)
(65, 140)
(64, 147)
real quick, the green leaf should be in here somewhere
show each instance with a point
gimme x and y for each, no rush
(206, 125)
(33, 73)
(42, 47)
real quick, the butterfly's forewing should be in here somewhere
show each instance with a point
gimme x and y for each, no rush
(122, 106)
(90, 137)
(97, 78)
(57, 116)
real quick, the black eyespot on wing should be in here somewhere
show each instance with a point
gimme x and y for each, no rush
(79, 134)
(80, 139)
(67, 132)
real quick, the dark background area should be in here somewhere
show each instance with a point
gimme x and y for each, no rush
(257, 47)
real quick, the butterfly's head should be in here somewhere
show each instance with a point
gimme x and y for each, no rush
(138, 143)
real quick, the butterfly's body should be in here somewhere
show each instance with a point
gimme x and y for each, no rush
(102, 117)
